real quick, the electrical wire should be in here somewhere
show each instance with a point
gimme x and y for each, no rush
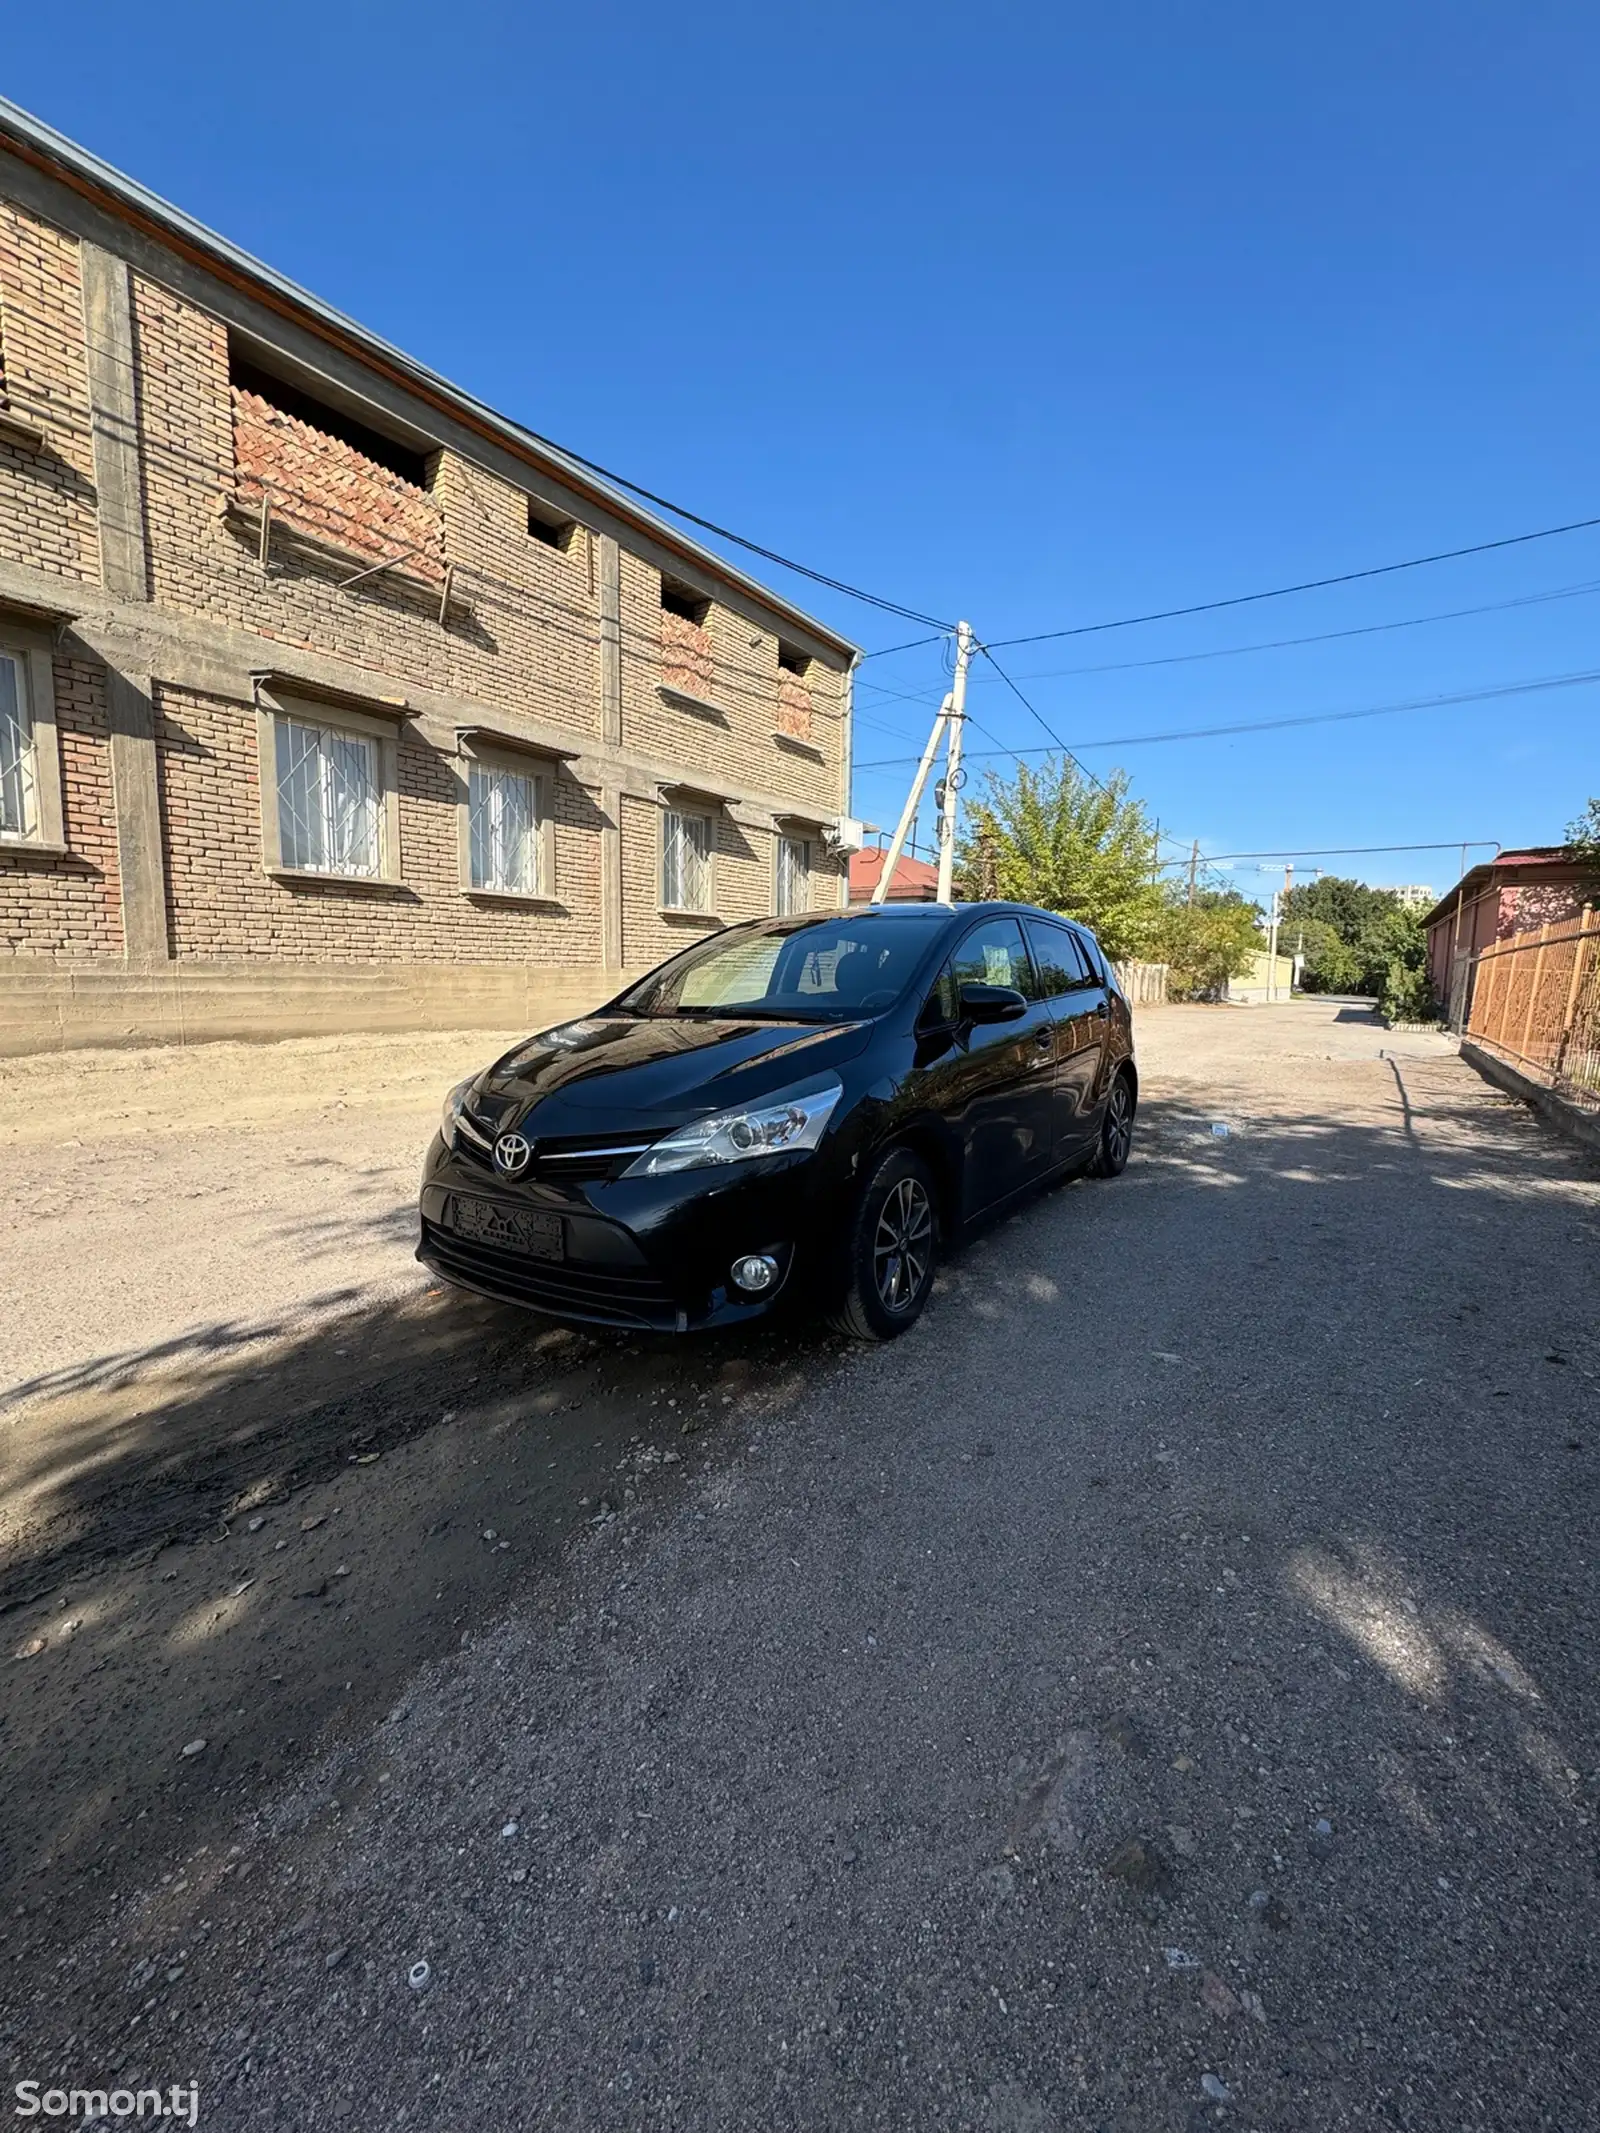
(1282, 592)
(1273, 725)
(1279, 644)
(1353, 851)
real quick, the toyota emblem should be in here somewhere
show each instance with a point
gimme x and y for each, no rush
(512, 1154)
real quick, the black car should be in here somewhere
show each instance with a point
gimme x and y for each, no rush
(797, 1108)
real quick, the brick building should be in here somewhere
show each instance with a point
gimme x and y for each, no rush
(1515, 892)
(328, 697)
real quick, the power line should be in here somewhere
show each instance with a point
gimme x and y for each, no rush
(1036, 713)
(1279, 644)
(1282, 592)
(885, 651)
(1352, 851)
(1271, 725)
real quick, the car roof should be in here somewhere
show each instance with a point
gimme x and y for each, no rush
(951, 911)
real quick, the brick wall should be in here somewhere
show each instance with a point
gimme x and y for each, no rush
(521, 635)
(687, 660)
(738, 745)
(795, 709)
(221, 903)
(59, 906)
(47, 497)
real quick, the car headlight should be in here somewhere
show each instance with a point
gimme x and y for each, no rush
(456, 1121)
(785, 1124)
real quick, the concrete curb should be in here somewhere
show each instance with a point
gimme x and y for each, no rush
(1568, 1118)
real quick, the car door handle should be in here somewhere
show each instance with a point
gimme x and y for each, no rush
(1044, 1039)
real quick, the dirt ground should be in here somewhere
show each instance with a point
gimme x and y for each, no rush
(255, 1465)
(257, 1472)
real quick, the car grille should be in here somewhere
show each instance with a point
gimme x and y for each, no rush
(584, 1159)
(634, 1297)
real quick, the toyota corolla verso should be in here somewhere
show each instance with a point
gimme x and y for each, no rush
(804, 1109)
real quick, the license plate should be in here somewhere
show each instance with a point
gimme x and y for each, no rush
(510, 1229)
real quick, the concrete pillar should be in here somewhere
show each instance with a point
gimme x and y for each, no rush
(112, 364)
(611, 878)
(610, 589)
(141, 855)
(114, 422)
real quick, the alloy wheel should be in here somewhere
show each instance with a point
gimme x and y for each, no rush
(903, 1244)
(1119, 1124)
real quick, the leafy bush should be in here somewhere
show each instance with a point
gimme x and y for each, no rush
(1206, 943)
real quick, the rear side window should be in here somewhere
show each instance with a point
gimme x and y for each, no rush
(1089, 948)
(992, 954)
(1059, 955)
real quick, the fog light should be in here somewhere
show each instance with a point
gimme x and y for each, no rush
(755, 1272)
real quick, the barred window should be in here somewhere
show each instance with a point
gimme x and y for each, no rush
(503, 811)
(686, 861)
(19, 815)
(794, 875)
(330, 812)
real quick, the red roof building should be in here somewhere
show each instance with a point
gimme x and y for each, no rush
(914, 882)
(1515, 892)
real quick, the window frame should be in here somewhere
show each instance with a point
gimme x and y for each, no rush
(520, 763)
(308, 711)
(32, 653)
(803, 844)
(686, 806)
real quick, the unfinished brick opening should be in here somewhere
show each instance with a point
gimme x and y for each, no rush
(547, 525)
(794, 694)
(687, 662)
(329, 477)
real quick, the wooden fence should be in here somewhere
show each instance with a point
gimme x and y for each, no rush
(1536, 998)
(1144, 983)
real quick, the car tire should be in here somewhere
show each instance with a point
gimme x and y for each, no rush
(1115, 1144)
(891, 1250)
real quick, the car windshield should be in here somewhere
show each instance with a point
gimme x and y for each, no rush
(822, 969)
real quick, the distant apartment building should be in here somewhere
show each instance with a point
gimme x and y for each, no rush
(331, 699)
(1416, 896)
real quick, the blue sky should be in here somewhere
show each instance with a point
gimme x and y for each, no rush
(1039, 315)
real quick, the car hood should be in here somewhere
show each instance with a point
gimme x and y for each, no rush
(655, 1070)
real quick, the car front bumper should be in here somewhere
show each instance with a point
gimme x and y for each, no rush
(650, 1253)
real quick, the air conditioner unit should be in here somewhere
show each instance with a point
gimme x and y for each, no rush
(845, 834)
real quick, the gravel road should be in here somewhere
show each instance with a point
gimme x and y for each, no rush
(1159, 1692)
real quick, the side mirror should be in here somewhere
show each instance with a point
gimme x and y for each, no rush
(992, 1003)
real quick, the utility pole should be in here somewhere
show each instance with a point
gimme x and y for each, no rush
(1280, 897)
(908, 814)
(1194, 866)
(952, 763)
(948, 719)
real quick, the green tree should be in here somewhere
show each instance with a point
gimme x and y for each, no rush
(1207, 942)
(1352, 935)
(1583, 833)
(1051, 837)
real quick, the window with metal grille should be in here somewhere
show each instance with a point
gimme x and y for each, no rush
(503, 820)
(330, 812)
(18, 794)
(686, 861)
(794, 875)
